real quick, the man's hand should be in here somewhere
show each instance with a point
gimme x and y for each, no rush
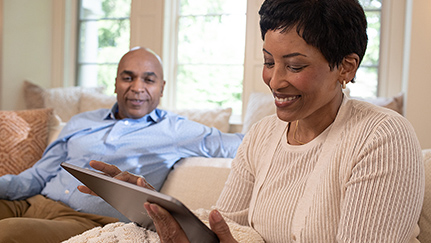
(169, 230)
(113, 171)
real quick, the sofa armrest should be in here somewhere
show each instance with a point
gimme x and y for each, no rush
(197, 182)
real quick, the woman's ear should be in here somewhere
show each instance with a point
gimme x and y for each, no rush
(348, 67)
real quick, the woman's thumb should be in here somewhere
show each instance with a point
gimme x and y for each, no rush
(220, 227)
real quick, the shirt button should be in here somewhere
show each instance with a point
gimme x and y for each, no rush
(67, 191)
(293, 237)
(126, 122)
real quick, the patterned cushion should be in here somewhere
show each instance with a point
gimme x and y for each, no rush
(23, 138)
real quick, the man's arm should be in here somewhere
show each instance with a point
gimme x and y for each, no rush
(195, 139)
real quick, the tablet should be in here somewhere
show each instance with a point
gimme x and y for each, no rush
(129, 200)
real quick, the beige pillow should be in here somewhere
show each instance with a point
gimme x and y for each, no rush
(23, 138)
(217, 117)
(259, 105)
(94, 101)
(64, 101)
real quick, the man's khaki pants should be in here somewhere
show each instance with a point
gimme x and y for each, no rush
(39, 219)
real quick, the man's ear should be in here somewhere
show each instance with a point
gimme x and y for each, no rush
(348, 67)
(115, 90)
(163, 88)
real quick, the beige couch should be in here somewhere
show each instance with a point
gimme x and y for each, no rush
(197, 182)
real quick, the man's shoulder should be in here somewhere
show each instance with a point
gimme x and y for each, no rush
(85, 120)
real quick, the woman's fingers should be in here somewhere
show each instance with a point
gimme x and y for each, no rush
(220, 227)
(167, 227)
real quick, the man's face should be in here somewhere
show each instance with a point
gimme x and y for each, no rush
(139, 84)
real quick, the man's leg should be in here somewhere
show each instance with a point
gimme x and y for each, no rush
(13, 208)
(48, 221)
(22, 230)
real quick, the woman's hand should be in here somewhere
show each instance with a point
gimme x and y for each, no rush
(169, 230)
(113, 171)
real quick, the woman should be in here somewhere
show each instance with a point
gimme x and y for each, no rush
(325, 168)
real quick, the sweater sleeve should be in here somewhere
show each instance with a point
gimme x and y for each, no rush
(234, 200)
(384, 194)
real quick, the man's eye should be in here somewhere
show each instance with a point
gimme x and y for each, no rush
(127, 78)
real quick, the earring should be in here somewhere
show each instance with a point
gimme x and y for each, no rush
(344, 84)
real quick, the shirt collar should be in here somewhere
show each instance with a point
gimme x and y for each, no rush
(154, 116)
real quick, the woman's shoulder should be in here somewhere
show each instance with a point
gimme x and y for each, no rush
(364, 110)
(369, 117)
(267, 123)
(264, 129)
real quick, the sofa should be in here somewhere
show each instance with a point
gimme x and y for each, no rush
(197, 182)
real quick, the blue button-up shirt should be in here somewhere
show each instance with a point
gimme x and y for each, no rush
(148, 146)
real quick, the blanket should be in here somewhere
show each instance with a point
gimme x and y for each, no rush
(130, 233)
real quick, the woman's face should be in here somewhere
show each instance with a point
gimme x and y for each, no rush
(300, 78)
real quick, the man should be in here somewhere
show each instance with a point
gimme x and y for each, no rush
(42, 204)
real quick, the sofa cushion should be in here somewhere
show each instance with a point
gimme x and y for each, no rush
(23, 138)
(425, 218)
(64, 101)
(197, 182)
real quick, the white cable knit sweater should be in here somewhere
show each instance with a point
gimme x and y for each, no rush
(368, 187)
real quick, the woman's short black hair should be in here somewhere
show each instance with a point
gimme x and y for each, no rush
(336, 27)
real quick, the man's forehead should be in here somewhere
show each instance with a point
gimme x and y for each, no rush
(133, 73)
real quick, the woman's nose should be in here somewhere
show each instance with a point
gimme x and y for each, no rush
(278, 78)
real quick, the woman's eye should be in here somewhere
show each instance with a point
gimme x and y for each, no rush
(296, 68)
(268, 64)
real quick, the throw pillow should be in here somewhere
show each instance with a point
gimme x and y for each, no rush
(23, 138)
(259, 105)
(217, 117)
(93, 101)
(64, 101)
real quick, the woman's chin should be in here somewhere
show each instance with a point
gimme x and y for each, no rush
(284, 116)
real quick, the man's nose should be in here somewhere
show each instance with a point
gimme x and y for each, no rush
(138, 86)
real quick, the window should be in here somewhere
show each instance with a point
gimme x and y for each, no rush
(209, 63)
(104, 36)
(203, 48)
(367, 77)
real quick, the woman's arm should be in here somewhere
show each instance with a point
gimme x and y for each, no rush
(384, 193)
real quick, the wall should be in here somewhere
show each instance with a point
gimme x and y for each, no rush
(26, 50)
(418, 105)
